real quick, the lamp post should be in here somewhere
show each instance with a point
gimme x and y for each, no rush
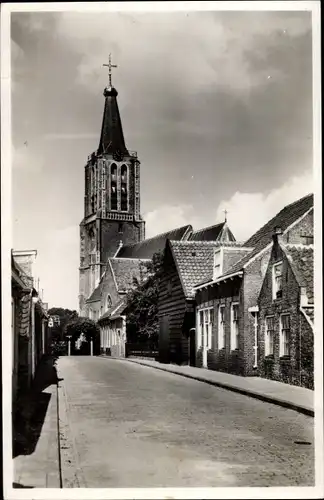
(69, 344)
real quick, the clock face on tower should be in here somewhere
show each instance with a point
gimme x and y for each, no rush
(118, 155)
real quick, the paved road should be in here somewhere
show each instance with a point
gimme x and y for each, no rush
(139, 427)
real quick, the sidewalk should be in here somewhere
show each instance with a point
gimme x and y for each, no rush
(288, 396)
(36, 449)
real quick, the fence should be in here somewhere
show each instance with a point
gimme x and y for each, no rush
(142, 351)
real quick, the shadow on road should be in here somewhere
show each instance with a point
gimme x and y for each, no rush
(31, 410)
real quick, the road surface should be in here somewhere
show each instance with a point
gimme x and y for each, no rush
(134, 426)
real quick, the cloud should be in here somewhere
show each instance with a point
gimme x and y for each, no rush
(247, 212)
(79, 136)
(168, 217)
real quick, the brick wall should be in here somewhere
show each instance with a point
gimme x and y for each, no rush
(306, 225)
(224, 294)
(110, 236)
(291, 369)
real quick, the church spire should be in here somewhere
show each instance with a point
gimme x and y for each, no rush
(112, 137)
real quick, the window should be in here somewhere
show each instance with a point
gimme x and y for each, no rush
(234, 327)
(277, 280)
(285, 335)
(217, 263)
(307, 239)
(123, 188)
(221, 328)
(108, 302)
(269, 334)
(113, 187)
(120, 228)
(206, 327)
(201, 329)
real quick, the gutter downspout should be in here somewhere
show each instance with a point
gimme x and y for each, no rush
(33, 332)
(254, 310)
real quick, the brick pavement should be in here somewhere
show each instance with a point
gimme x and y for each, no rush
(137, 427)
(37, 462)
(288, 396)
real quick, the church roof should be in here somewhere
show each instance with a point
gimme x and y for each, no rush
(263, 237)
(112, 137)
(194, 262)
(213, 233)
(125, 270)
(147, 248)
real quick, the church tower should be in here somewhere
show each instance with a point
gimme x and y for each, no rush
(112, 199)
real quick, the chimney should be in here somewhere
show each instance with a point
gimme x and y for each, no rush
(277, 236)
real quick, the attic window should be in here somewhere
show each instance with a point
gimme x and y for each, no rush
(218, 263)
(307, 239)
(277, 273)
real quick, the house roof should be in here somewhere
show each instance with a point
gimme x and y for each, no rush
(115, 311)
(263, 237)
(25, 311)
(301, 258)
(194, 261)
(147, 248)
(213, 233)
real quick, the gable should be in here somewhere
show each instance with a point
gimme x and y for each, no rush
(194, 262)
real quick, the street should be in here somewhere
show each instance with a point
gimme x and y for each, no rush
(134, 426)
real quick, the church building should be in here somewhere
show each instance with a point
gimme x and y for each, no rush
(113, 247)
(112, 200)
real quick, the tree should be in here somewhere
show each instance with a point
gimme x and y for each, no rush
(142, 302)
(78, 326)
(65, 315)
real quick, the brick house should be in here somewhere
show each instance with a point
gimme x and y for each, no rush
(286, 314)
(185, 263)
(227, 312)
(29, 319)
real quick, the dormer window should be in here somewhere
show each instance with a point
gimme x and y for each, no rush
(108, 302)
(218, 263)
(277, 280)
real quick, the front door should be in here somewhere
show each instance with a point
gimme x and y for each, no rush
(192, 346)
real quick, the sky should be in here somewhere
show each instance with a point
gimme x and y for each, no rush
(218, 106)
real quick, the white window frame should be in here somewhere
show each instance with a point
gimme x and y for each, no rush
(267, 344)
(218, 251)
(205, 326)
(275, 287)
(221, 327)
(234, 327)
(284, 345)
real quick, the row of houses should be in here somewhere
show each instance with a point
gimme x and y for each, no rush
(245, 308)
(29, 324)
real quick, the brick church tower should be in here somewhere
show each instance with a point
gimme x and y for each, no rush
(112, 199)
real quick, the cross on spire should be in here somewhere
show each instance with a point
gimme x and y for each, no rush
(110, 66)
(225, 212)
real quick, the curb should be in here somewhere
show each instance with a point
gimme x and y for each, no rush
(246, 392)
(71, 475)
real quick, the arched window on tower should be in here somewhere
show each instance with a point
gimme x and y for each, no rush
(108, 302)
(113, 187)
(123, 189)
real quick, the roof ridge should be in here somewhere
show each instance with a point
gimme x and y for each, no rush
(194, 242)
(299, 246)
(209, 227)
(160, 235)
